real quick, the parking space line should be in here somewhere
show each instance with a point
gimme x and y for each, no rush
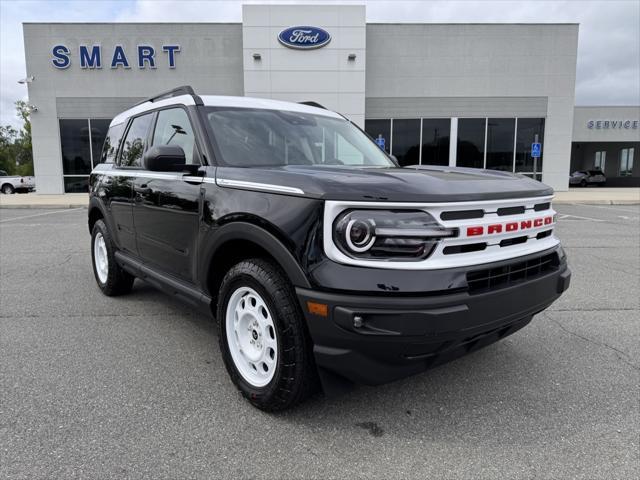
(41, 214)
(567, 215)
(606, 207)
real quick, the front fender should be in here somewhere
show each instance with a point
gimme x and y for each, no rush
(244, 231)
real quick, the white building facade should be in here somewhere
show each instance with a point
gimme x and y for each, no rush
(474, 95)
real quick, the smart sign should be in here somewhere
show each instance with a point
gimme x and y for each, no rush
(94, 56)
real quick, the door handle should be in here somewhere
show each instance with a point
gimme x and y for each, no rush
(142, 189)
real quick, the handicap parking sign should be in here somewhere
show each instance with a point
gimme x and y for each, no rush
(536, 149)
(380, 141)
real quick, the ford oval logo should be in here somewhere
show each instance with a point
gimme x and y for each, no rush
(304, 37)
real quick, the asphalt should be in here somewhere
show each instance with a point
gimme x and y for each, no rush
(134, 387)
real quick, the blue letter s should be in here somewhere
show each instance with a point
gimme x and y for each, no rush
(60, 57)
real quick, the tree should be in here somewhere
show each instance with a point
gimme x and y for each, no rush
(24, 157)
(16, 155)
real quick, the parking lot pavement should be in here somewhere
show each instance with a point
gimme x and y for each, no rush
(134, 387)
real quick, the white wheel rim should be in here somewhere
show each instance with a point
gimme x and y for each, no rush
(100, 257)
(251, 336)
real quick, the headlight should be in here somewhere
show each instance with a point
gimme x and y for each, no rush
(404, 235)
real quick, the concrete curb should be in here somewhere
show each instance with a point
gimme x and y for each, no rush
(47, 206)
(596, 202)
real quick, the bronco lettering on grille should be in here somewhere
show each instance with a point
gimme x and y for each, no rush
(508, 227)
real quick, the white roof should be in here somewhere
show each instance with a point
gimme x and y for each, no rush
(225, 101)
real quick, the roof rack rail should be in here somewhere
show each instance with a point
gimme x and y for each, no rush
(313, 104)
(174, 92)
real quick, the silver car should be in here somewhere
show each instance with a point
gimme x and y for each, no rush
(584, 178)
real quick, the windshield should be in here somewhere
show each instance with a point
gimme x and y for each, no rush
(258, 137)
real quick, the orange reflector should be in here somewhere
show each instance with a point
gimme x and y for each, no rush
(318, 309)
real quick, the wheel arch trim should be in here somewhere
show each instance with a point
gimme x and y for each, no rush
(240, 230)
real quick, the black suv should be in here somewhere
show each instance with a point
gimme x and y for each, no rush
(323, 261)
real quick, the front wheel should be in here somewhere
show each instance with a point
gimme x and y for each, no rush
(111, 278)
(264, 343)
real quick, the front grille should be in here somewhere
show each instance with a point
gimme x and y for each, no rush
(501, 277)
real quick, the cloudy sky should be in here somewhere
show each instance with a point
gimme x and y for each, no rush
(608, 52)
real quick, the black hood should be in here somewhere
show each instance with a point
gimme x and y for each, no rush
(409, 184)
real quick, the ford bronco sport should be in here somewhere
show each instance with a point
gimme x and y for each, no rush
(324, 262)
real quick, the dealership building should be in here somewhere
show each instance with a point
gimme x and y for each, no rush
(474, 95)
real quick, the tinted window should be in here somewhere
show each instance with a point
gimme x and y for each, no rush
(111, 143)
(406, 141)
(173, 128)
(500, 132)
(379, 130)
(133, 146)
(528, 128)
(76, 184)
(256, 137)
(99, 130)
(471, 142)
(74, 140)
(435, 141)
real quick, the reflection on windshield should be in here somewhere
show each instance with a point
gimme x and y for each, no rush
(257, 137)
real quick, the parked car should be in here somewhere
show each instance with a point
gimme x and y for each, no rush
(584, 178)
(14, 183)
(320, 257)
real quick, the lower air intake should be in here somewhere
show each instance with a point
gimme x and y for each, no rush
(480, 281)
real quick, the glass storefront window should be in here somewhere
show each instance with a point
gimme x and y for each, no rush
(79, 184)
(406, 141)
(99, 128)
(500, 132)
(435, 141)
(470, 148)
(76, 151)
(600, 159)
(379, 129)
(525, 136)
(626, 162)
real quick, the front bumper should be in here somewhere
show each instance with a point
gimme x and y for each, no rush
(401, 335)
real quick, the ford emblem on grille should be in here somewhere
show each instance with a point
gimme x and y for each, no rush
(304, 37)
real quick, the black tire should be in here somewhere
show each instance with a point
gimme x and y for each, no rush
(583, 183)
(118, 282)
(295, 376)
(8, 189)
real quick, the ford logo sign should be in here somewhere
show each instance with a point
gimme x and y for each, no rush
(304, 37)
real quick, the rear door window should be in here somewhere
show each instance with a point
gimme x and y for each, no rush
(112, 143)
(134, 143)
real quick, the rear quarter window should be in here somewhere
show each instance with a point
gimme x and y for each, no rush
(112, 143)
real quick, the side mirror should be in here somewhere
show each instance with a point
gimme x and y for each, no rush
(165, 158)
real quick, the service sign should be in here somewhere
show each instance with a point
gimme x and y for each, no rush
(304, 37)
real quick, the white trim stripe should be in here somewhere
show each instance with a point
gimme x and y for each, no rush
(224, 182)
(221, 182)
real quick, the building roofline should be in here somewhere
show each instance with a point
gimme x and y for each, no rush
(240, 23)
(606, 106)
(131, 23)
(472, 23)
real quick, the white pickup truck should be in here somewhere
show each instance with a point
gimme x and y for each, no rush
(14, 183)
